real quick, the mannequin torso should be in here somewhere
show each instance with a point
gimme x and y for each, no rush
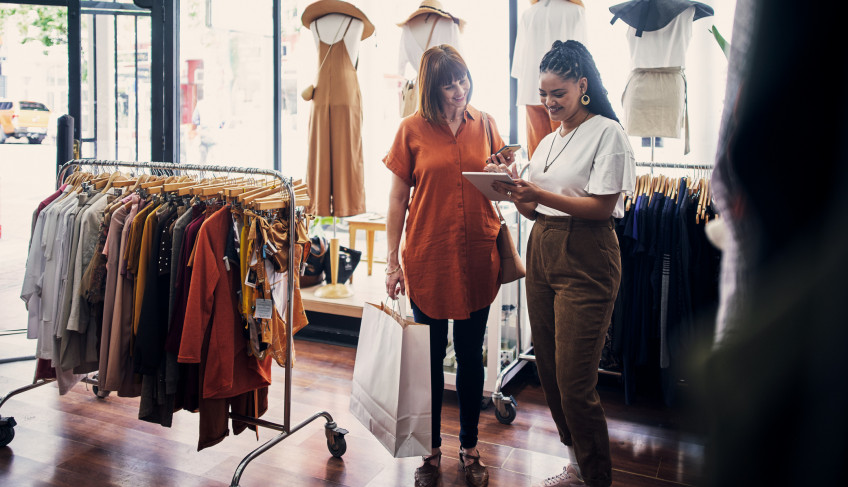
(541, 25)
(330, 28)
(413, 40)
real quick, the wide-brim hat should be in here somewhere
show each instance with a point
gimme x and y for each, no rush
(434, 7)
(324, 7)
(651, 15)
(578, 2)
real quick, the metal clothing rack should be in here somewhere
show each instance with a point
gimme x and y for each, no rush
(505, 406)
(674, 165)
(335, 435)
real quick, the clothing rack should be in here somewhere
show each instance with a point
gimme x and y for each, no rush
(673, 165)
(505, 406)
(335, 435)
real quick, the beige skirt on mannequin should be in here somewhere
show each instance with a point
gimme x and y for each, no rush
(654, 102)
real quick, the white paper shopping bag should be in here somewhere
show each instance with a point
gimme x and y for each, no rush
(391, 381)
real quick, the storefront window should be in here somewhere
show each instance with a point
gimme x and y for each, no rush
(226, 82)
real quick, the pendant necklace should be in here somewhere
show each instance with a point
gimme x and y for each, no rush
(549, 164)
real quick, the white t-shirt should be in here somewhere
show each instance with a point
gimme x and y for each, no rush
(664, 48)
(415, 34)
(541, 25)
(597, 161)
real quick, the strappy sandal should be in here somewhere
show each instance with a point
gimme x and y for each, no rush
(476, 474)
(428, 474)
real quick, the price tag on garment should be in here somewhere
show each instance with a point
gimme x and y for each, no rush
(263, 309)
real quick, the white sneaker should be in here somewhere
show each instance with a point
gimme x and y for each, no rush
(568, 477)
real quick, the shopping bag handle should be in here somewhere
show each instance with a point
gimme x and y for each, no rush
(398, 306)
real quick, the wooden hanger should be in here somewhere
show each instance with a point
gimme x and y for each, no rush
(101, 180)
(182, 182)
(263, 190)
(280, 202)
(190, 189)
(114, 177)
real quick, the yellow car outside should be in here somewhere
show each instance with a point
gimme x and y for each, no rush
(27, 119)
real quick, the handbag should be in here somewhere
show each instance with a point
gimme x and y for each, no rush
(348, 260)
(309, 92)
(408, 98)
(512, 267)
(313, 272)
(390, 391)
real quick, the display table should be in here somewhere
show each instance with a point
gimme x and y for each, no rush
(366, 288)
(370, 225)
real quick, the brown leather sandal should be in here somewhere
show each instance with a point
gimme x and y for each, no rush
(427, 475)
(476, 474)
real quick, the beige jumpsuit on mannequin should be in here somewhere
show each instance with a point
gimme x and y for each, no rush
(335, 170)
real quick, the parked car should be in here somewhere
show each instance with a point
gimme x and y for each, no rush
(23, 119)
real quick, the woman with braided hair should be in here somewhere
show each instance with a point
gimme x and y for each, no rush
(575, 187)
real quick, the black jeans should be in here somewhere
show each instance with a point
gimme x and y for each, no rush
(468, 345)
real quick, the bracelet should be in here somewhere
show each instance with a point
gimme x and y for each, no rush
(389, 272)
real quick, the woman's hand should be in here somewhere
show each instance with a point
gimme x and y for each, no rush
(522, 192)
(502, 163)
(395, 283)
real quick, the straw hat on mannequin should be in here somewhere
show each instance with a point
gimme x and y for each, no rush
(324, 7)
(434, 7)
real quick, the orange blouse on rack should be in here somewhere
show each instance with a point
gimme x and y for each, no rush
(449, 257)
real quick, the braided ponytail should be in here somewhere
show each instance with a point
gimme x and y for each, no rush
(571, 60)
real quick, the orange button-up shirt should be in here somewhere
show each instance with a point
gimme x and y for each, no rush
(449, 257)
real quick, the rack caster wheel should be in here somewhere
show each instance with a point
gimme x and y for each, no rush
(100, 394)
(505, 411)
(338, 448)
(335, 439)
(7, 431)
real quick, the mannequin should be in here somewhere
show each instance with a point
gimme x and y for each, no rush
(430, 25)
(330, 28)
(543, 23)
(654, 100)
(335, 174)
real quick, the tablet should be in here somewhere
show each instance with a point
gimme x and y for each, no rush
(483, 181)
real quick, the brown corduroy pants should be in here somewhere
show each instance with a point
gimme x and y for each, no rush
(573, 273)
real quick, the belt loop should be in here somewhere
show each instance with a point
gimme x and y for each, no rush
(570, 222)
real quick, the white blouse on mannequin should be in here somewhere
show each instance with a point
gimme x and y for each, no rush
(413, 39)
(663, 48)
(329, 29)
(541, 25)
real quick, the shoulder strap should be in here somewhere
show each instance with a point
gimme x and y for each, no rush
(333, 44)
(485, 118)
(429, 37)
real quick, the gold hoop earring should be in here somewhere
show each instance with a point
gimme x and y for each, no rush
(585, 99)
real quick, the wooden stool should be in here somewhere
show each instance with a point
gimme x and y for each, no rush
(370, 226)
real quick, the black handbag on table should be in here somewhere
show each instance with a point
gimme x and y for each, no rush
(348, 260)
(313, 273)
(318, 263)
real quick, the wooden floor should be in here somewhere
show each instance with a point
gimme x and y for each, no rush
(79, 440)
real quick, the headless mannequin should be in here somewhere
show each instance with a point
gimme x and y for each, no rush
(326, 29)
(549, 20)
(420, 33)
(420, 27)
(444, 31)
